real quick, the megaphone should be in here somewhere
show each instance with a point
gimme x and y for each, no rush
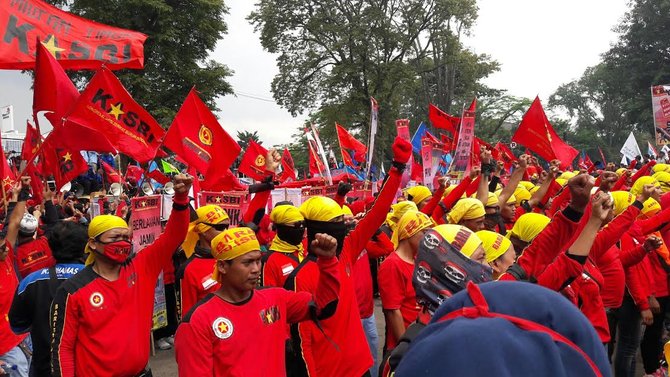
(147, 189)
(168, 188)
(66, 187)
(116, 189)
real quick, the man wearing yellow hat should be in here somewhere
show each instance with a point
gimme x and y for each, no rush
(468, 212)
(101, 318)
(286, 251)
(499, 251)
(194, 276)
(240, 331)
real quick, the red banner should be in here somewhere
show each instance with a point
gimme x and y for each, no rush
(235, 203)
(76, 42)
(145, 220)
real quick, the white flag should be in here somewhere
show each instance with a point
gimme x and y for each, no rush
(630, 148)
(374, 117)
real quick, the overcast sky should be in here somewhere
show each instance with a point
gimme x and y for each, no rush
(540, 44)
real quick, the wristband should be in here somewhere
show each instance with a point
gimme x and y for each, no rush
(179, 206)
(399, 165)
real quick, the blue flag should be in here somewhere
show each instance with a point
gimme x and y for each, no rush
(416, 139)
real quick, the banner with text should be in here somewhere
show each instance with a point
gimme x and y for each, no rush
(235, 203)
(660, 103)
(461, 163)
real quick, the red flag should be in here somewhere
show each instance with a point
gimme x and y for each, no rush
(64, 163)
(7, 174)
(31, 143)
(505, 155)
(602, 156)
(134, 172)
(417, 172)
(288, 167)
(349, 143)
(227, 182)
(473, 105)
(112, 175)
(198, 138)
(315, 164)
(78, 137)
(107, 107)
(36, 181)
(442, 120)
(253, 161)
(536, 133)
(53, 91)
(159, 177)
(75, 41)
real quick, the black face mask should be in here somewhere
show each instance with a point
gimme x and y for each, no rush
(202, 252)
(290, 234)
(338, 230)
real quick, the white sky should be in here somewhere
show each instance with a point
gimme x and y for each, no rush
(540, 44)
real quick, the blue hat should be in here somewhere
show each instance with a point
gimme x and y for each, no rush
(506, 329)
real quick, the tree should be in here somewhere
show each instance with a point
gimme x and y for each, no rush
(333, 56)
(244, 137)
(180, 36)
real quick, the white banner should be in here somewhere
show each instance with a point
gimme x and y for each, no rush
(630, 148)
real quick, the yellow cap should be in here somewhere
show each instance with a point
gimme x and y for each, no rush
(232, 243)
(209, 214)
(492, 200)
(638, 186)
(622, 199)
(411, 223)
(466, 209)
(620, 171)
(663, 179)
(462, 238)
(661, 167)
(494, 244)
(320, 208)
(527, 185)
(347, 211)
(567, 175)
(418, 194)
(561, 181)
(286, 214)
(528, 226)
(397, 211)
(521, 194)
(650, 207)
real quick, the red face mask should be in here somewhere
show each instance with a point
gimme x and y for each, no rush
(117, 251)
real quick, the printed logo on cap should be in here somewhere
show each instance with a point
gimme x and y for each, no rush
(222, 327)
(96, 299)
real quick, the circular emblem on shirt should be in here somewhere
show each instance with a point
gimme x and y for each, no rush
(96, 299)
(222, 327)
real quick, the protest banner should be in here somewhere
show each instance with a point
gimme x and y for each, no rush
(235, 203)
(145, 221)
(660, 103)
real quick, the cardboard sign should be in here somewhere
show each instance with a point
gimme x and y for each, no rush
(235, 203)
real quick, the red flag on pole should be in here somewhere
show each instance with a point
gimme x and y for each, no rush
(7, 174)
(36, 182)
(349, 144)
(75, 41)
(107, 107)
(505, 154)
(53, 91)
(316, 166)
(64, 163)
(159, 177)
(288, 167)
(134, 173)
(442, 120)
(602, 156)
(112, 175)
(31, 143)
(536, 133)
(253, 161)
(198, 138)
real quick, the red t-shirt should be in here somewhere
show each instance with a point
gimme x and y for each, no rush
(197, 282)
(277, 268)
(102, 328)
(8, 284)
(396, 291)
(33, 256)
(363, 285)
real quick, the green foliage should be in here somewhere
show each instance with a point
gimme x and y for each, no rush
(244, 137)
(180, 36)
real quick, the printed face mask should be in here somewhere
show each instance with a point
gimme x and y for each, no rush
(118, 251)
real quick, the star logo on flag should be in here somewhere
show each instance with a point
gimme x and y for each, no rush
(67, 156)
(217, 199)
(50, 45)
(7, 181)
(260, 161)
(116, 111)
(143, 204)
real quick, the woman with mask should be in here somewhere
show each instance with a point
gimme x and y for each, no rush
(194, 277)
(395, 276)
(286, 250)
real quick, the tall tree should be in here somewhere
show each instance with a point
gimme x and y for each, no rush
(181, 34)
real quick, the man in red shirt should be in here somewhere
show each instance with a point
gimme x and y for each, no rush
(101, 318)
(195, 275)
(240, 331)
(286, 250)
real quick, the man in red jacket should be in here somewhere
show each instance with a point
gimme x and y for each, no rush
(101, 318)
(240, 331)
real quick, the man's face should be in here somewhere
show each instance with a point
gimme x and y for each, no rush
(243, 272)
(507, 211)
(474, 225)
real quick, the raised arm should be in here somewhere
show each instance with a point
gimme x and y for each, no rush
(514, 180)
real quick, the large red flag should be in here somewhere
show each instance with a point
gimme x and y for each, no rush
(134, 172)
(112, 175)
(53, 91)
(198, 138)
(76, 42)
(349, 143)
(31, 143)
(536, 133)
(253, 161)
(288, 167)
(442, 120)
(61, 161)
(107, 107)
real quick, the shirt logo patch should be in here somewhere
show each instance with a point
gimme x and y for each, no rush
(208, 282)
(96, 299)
(222, 327)
(270, 315)
(286, 269)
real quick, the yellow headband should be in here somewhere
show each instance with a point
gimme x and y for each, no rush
(397, 211)
(232, 243)
(663, 179)
(460, 237)
(494, 244)
(99, 225)
(492, 200)
(209, 214)
(651, 207)
(622, 199)
(411, 223)
(419, 193)
(286, 214)
(567, 175)
(521, 194)
(527, 185)
(466, 209)
(638, 186)
(320, 208)
(528, 226)
(661, 167)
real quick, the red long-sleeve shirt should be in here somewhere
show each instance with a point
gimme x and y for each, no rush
(195, 281)
(101, 328)
(343, 350)
(449, 200)
(247, 339)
